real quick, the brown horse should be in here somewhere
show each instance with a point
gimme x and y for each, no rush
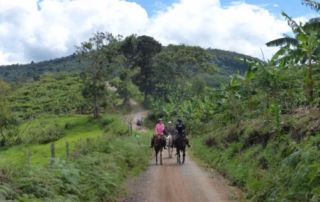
(180, 143)
(158, 147)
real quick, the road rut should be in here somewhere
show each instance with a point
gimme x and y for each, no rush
(179, 183)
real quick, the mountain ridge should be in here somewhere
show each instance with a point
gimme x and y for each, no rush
(228, 63)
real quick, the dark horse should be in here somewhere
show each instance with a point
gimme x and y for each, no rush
(181, 147)
(158, 146)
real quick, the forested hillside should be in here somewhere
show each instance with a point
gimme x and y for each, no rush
(228, 63)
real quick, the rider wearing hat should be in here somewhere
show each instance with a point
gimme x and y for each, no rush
(180, 127)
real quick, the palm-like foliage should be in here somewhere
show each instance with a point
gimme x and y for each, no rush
(302, 48)
(313, 4)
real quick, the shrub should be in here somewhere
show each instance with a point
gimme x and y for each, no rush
(43, 133)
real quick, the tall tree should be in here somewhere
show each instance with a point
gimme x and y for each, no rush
(176, 66)
(147, 48)
(100, 52)
(128, 51)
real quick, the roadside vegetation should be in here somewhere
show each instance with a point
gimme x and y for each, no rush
(257, 122)
(102, 156)
(261, 130)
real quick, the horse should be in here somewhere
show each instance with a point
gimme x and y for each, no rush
(169, 140)
(180, 143)
(158, 147)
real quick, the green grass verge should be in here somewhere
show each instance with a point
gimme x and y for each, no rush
(283, 170)
(96, 171)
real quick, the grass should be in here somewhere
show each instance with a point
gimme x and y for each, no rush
(81, 128)
(281, 170)
(17, 155)
(96, 173)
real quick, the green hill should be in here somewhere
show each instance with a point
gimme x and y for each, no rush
(32, 71)
(227, 62)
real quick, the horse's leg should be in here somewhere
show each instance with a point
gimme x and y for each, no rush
(160, 156)
(184, 155)
(171, 147)
(178, 156)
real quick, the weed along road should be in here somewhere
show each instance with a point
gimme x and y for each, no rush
(179, 183)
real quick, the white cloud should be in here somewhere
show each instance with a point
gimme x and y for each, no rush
(239, 27)
(29, 33)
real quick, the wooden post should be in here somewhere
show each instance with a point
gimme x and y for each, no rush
(67, 151)
(52, 154)
(130, 127)
(81, 145)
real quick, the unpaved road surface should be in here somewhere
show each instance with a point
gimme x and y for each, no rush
(138, 113)
(176, 183)
(179, 183)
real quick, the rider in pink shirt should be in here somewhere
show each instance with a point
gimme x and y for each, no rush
(159, 129)
(159, 132)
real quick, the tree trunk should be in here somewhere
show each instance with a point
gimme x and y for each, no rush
(95, 106)
(310, 83)
(95, 99)
(145, 97)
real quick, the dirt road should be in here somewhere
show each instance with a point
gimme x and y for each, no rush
(179, 183)
(139, 113)
(176, 183)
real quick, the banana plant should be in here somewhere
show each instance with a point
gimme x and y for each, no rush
(312, 4)
(303, 48)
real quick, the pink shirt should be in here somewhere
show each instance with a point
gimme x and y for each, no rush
(159, 130)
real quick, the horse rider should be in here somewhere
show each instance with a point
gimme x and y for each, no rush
(180, 127)
(159, 133)
(170, 130)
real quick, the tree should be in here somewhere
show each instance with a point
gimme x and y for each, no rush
(147, 48)
(178, 67)
(100, 52)
(303, 48)
(128, 51)
(313, 4)
(6, 118)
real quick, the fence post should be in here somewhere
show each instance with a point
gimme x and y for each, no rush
(67, 151)
(81, 145)
(130, 127)
(52, 154)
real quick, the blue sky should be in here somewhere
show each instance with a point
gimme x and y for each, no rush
(292, 7)
(36, 30)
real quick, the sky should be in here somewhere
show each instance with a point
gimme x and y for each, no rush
(37, 30)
